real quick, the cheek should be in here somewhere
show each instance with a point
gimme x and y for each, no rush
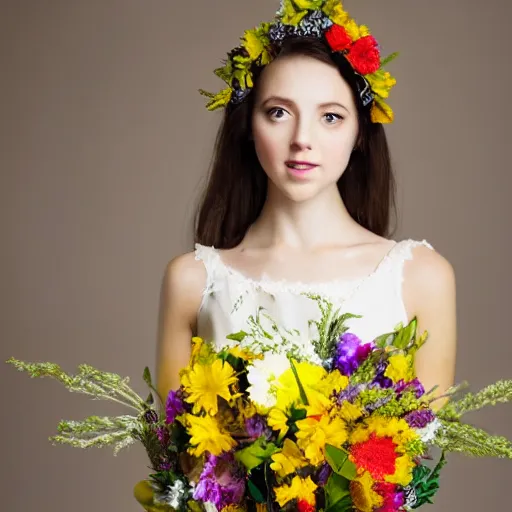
(337, 147)
(341, 142)
(270, 144)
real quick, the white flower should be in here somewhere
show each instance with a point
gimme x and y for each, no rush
(428, 433)
(210, 506)
(263, 375)
(173, 495)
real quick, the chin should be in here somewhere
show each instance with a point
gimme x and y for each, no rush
(300, 192)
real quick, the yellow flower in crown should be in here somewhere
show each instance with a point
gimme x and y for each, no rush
(204, 383)
(326, 20)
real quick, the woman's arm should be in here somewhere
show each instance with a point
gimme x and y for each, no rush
(429, 291)
(180, 298)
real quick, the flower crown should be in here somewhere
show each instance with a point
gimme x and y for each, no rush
(323, 19)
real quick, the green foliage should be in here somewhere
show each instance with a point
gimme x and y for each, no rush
(256, 453)
(330, 326)
(339, 462)
(337, 494)
(472, 441)
(499, 392)
(426, 482)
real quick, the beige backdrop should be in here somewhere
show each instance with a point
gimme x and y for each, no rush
(104, 142)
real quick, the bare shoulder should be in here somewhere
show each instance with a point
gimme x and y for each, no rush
(428, 276)
(185, 271)
(183, 282)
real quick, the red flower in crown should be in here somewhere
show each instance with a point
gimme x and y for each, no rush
(364, 55)
(338, 38)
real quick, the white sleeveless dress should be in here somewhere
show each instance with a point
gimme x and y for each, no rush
(230, 299)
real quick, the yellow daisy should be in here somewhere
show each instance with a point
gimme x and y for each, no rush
(403, 471)
(288, 460)
(277, 420)
(244, 354)
(349, 412)
(300, 489)
(400, 367)
(333, 381)
(395, 428)
(207, 436)
(314, 434)
(320, 395)
(204, 383)
(288, 390)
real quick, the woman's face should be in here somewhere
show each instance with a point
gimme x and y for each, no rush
(304, 125)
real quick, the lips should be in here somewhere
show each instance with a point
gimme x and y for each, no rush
(300, 165)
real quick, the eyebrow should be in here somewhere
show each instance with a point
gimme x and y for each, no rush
(286, 101)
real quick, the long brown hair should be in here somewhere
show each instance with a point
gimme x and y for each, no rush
(237, 185)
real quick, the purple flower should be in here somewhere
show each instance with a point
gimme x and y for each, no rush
(399, 500)
(163, 435)
(173, 406)
(350, 393)
(151, 416)
(350, 353)
(323, 474)
(380, 378)
(164, 466)
(221, 481)
(418, 387)
(420, 418)
(415, 384)
(256, 426)
(377, 404)
(393, 499)
(395, 502)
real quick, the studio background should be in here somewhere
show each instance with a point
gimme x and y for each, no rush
(105, 143)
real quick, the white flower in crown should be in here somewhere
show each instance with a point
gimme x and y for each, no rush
(263, 377)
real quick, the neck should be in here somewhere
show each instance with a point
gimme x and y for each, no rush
(317, 222)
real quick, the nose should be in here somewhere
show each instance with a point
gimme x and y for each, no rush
(301, 138)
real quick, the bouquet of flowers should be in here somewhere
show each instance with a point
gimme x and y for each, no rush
(345, 426)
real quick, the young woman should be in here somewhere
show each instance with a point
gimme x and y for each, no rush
(299, 200)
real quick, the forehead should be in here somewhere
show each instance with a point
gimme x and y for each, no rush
(304, 80)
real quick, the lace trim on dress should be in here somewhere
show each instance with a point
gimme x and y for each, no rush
(338, 288)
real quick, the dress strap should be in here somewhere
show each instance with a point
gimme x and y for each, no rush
(402, 252)
(211, 261)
